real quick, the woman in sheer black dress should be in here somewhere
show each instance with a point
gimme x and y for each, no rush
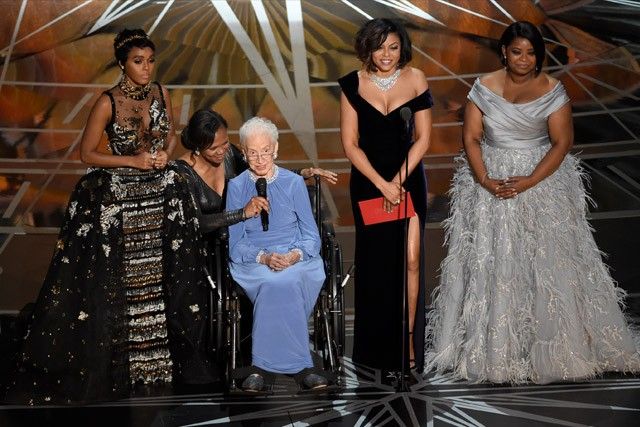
(105, 320)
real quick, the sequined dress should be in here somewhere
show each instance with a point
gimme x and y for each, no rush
(524, 294)
(124, 299)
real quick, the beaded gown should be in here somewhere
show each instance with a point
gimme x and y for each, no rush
(524, 294)
(124, 299)
(380, 248)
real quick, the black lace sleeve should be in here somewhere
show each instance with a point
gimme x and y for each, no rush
(211, 215)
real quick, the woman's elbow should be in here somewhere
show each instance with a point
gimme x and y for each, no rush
(85, 157)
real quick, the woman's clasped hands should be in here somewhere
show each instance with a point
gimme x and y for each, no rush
(507, 188)
(393, 194)
(278, 262)
(147, 161)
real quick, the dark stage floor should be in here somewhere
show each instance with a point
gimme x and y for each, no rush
(367, 399)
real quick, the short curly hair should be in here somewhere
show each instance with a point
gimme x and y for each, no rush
(258, 125)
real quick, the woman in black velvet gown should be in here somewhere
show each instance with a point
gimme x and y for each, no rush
(372, 132)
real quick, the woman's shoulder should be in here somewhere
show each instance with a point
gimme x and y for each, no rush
(349, 81)
(241, 177)
(493, 81)
(549, 82)
(182, 165)
(104, 101)
(417, 78)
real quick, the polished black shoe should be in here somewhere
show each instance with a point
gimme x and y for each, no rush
(314, 382)
(253, 383)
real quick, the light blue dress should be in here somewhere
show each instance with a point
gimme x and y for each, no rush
(282, 300)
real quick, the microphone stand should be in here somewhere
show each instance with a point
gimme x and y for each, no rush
(405, 113)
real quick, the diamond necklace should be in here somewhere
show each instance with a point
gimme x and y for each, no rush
(385, 83)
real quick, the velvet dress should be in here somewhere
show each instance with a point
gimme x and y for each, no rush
(380, 248)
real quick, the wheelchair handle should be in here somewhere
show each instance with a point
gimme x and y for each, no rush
(347, 276)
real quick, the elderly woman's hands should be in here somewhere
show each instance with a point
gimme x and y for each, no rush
(278, 262)
(327, 175)
(254, 206)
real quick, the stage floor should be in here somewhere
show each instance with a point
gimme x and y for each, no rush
(366, 399)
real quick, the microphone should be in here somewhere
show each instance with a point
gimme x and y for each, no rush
(261, 188)
(405, 113)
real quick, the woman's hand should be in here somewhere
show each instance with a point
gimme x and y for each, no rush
(327, 175)
(254, 206)
(507, 188)
(160, 159)
(517, 185)
(278, 262)
(143, 161)
(393, 194)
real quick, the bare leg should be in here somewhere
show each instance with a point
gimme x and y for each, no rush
(413, 278)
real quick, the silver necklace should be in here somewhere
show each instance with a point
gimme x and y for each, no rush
(385, 83)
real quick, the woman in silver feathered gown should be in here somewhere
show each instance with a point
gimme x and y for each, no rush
(524, 294)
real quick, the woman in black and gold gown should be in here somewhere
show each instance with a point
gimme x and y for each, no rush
(372, 132)
(122, 302)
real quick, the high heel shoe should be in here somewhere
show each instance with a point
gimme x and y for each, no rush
(412, 360)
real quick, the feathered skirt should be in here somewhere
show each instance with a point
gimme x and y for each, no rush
(524, 294)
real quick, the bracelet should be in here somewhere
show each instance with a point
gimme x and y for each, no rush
(484, 178)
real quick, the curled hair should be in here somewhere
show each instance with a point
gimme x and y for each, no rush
(371, 36)
(525, 30)
(201, 129)
(127, 40)
(258, 125)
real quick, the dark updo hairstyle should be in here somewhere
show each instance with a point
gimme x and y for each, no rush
(525, 30)
(201, 129)
(371, 36)
(127, 40)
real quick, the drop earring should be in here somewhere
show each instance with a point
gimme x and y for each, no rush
(196, 152)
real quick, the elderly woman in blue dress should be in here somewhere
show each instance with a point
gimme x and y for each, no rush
(279, 269)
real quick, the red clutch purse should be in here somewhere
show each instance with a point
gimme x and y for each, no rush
(373, 212)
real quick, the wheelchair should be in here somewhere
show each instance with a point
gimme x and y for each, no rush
(230, 344)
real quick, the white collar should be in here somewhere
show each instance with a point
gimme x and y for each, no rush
(254, 177)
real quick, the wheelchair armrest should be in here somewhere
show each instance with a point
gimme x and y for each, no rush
(328, 231)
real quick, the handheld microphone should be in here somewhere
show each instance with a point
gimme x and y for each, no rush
(261, 188)
(405, 113)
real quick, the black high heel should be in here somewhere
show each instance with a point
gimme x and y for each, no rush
(412, 362)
